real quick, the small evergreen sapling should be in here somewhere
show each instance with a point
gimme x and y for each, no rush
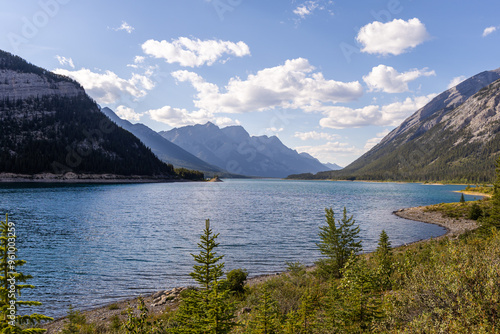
(11, 285)
(384, 259)
(338, 241)
(267, 315)
(207, 310)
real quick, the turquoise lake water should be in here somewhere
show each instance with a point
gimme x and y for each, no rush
(89, 245)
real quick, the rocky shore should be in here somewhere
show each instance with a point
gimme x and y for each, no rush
(158, 302)
(454, 227)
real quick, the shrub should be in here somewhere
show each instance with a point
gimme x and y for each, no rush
(236, 280)
(475, 211)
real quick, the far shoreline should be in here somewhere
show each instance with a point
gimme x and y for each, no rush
(73, 178)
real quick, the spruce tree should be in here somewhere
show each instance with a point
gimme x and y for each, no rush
(384, 259)
(462, 198)
(207, 309)
(338, 241)
(360, 302)
(12, 282)
(267, 316)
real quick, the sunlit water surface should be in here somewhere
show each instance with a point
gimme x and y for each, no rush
(89, 245)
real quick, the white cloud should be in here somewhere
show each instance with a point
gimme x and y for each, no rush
(308, 7)
(331, 151)
(292, 85)
(177, 117)
(108, 87)
(65, 61)
(387, 79)
(489, 30)
(139, 59)
(194, 52)
(128, 113)
(125, 27)
(389, 115)
(393, 37)
(455, 81)
(370, 143)
(274, 129)
(314, 135)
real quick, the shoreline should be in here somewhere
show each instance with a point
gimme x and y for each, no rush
(454, 228)
(473, 193)
(73, 178)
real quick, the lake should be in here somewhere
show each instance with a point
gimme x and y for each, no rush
(89, 245)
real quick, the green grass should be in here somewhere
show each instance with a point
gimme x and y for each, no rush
(459, 210)
(113, 307)
(484, 189)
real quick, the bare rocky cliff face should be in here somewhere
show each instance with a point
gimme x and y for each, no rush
(48, 125)
(17, 85)
(432, 113)
(479, 116)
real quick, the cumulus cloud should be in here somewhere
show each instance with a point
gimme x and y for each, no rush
(128, 113)
(489, 30)
(455, 81)
(330, 151)
(108, 87)
(125, 27)
(370, 143)
(386, 79)
(314, 135)
(177, 117)
(395, 37)
(65, 61)
(393, 114)
(194, 52)
(293, 85)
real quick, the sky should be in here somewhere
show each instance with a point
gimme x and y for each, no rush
(330, 78)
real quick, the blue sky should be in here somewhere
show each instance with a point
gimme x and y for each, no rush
(330, 78)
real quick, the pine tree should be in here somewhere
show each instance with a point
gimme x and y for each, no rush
(337, 243)
(11, 285)
(462, 198)
(359, 302)
(306, 312)
(384, 259)
(267, 316)
(208, 309)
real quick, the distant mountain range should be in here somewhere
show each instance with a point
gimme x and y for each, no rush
(50, 126)
(233, 149)
(164, 149)
(333, 166)
(455, 137)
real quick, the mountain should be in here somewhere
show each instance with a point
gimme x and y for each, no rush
(333, 166)
(455, 137)
(50, 126)
(163, 148)
(234, 150)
